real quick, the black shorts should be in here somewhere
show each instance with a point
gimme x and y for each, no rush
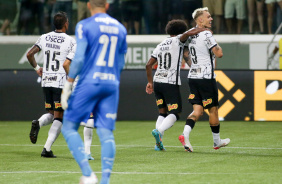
(52, 98)
(203, 92)
(168, 95)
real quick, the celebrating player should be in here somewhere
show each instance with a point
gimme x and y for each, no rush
(168, 54)
(204, 93)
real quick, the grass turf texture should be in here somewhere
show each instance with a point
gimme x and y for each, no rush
(253, 156)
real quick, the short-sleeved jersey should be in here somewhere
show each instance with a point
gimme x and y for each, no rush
(56, 48)
(202, 57)
(106, 45)
(169, 54)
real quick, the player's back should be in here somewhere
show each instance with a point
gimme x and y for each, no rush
(169, 55)
(202, 57)
(56, 47)
(106, 44)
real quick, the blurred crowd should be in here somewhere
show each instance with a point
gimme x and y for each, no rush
(33, 17)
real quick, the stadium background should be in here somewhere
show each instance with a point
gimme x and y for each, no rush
(242, 77)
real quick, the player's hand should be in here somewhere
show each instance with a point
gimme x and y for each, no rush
(39, 71)
(66, 94)
(207, 29)
(149, 88)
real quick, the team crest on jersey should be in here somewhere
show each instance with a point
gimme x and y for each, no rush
(160, 101)
(191, 96)
(47, 105)
(171, 107)
(58, 105)
(207, 102)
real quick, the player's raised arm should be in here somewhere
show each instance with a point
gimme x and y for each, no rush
(192, 32)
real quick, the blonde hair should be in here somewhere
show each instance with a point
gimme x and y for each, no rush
(198, 12)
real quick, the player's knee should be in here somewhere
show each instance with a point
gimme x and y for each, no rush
(105, 134)
(176, 115)
(68, 128)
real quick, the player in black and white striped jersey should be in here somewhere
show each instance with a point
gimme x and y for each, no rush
(168, 55)
(203, 88)
(57, 47)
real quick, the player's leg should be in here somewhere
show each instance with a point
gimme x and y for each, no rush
(56, 126)
(190, 123)
(45, 119)
(174, 106)
(81, 103)
(211, 103)
(105, 114)
(161, 104)
(53, 134)
(88, 134)
(196, 100)
(215, 128)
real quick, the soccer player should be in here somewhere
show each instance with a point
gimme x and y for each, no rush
(203, 88)
(99, 59)
(168, 54)
(57, 47)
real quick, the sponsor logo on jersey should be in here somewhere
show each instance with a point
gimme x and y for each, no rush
(58, 105)
(171, 107)
(160, 101)
(47, 105)
(49, 79)
(191, 96)
(106, 20)
(207, 102)
(54, 38)
(104, 76)
(112, 116)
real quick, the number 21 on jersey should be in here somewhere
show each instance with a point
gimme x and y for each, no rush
(105, 40)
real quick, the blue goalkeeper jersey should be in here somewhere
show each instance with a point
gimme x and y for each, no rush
(101, 47)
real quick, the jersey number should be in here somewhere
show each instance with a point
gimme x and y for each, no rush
(193, 53)
(166, 63)
(104, 39)
(57, 62)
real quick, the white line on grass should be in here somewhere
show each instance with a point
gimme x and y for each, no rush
(136, 173)
(140, 146)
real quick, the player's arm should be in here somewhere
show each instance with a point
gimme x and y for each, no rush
(217, 50)
(32, 61)
(66, 65)
(186, 56)
(149, 66)
(192, 32)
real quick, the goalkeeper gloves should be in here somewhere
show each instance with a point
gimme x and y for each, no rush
(66, 94)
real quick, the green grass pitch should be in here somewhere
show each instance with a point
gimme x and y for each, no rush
(253, 156)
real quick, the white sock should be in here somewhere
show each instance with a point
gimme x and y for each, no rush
(53, 133)
(45, 119)
(159, 121)
(167, 123)
(88, 133)
(216, 138)
(186, 132)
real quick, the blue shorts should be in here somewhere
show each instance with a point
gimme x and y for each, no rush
(100, 99)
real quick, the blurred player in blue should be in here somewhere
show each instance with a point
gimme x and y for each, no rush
(99, 59)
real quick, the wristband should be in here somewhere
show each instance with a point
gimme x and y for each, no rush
(37, 68)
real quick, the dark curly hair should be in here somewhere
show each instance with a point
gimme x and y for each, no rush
(60, 19)
(176, 27)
